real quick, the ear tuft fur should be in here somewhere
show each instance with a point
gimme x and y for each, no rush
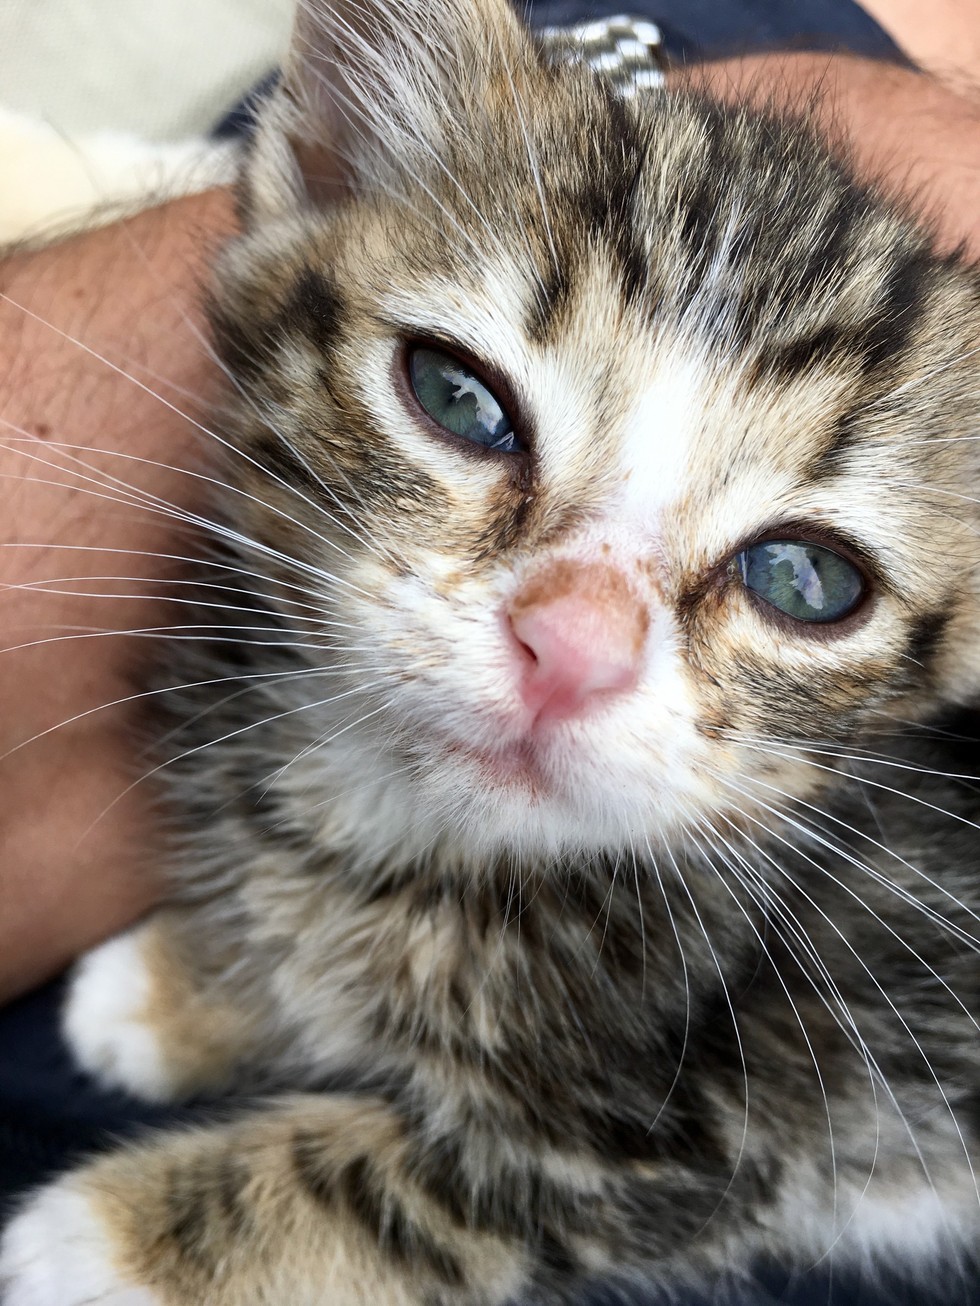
(368, 89)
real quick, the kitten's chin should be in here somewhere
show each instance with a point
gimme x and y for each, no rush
(542, 793)
(515, 765)
(539, 754)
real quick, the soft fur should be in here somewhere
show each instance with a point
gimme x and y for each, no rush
(682, 980)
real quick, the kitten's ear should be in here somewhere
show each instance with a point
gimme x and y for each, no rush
(368, 90)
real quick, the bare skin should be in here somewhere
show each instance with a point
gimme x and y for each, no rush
(79, 842)
(944, 38)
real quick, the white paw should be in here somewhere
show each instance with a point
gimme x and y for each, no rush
(56, 1253)
(104, 1021)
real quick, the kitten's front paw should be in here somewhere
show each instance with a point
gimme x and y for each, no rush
(106, 1021)
(57, 1253)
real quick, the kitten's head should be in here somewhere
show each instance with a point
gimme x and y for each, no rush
(635, 439)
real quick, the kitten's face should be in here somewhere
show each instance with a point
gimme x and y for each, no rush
(727, 386)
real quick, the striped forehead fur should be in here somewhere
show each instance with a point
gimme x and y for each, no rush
(707, 330)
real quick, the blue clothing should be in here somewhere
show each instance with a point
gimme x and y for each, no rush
(709, 29)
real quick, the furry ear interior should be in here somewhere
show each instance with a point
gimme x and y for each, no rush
(368, 90)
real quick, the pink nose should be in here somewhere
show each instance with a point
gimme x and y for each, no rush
(581, 631)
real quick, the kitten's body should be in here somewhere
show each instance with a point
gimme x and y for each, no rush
(683, 975)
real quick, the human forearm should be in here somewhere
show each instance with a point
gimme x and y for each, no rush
(76, 839)
(945, 39)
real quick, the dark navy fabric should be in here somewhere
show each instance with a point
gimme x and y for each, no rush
(709, 29)
(50, 1114)
(239, 121)
(693, 29)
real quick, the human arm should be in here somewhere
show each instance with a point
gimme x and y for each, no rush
(78, 847)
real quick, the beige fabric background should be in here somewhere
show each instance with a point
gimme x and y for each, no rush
(104, 103)
(158, 69)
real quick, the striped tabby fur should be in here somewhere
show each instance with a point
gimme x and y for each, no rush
(690, 980)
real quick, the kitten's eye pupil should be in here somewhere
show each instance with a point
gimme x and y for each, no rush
(455, 397)
(806, 581)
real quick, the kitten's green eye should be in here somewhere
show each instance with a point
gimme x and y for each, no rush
(456, 398)
(806, 581)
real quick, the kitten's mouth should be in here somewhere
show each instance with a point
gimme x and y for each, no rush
(515, 764)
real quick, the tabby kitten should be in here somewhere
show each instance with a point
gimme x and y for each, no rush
(558, 774)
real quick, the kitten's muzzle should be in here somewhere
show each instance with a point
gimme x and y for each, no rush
(579, 633)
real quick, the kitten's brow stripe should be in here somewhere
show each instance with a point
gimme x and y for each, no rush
(827, 259)
(315, 308)
(927, 636)
(830, 459)
(551, 295)
(826, 345)
(604, 205)
(232, 1178)
(702, 189)
(869, 345)
(899, 317)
